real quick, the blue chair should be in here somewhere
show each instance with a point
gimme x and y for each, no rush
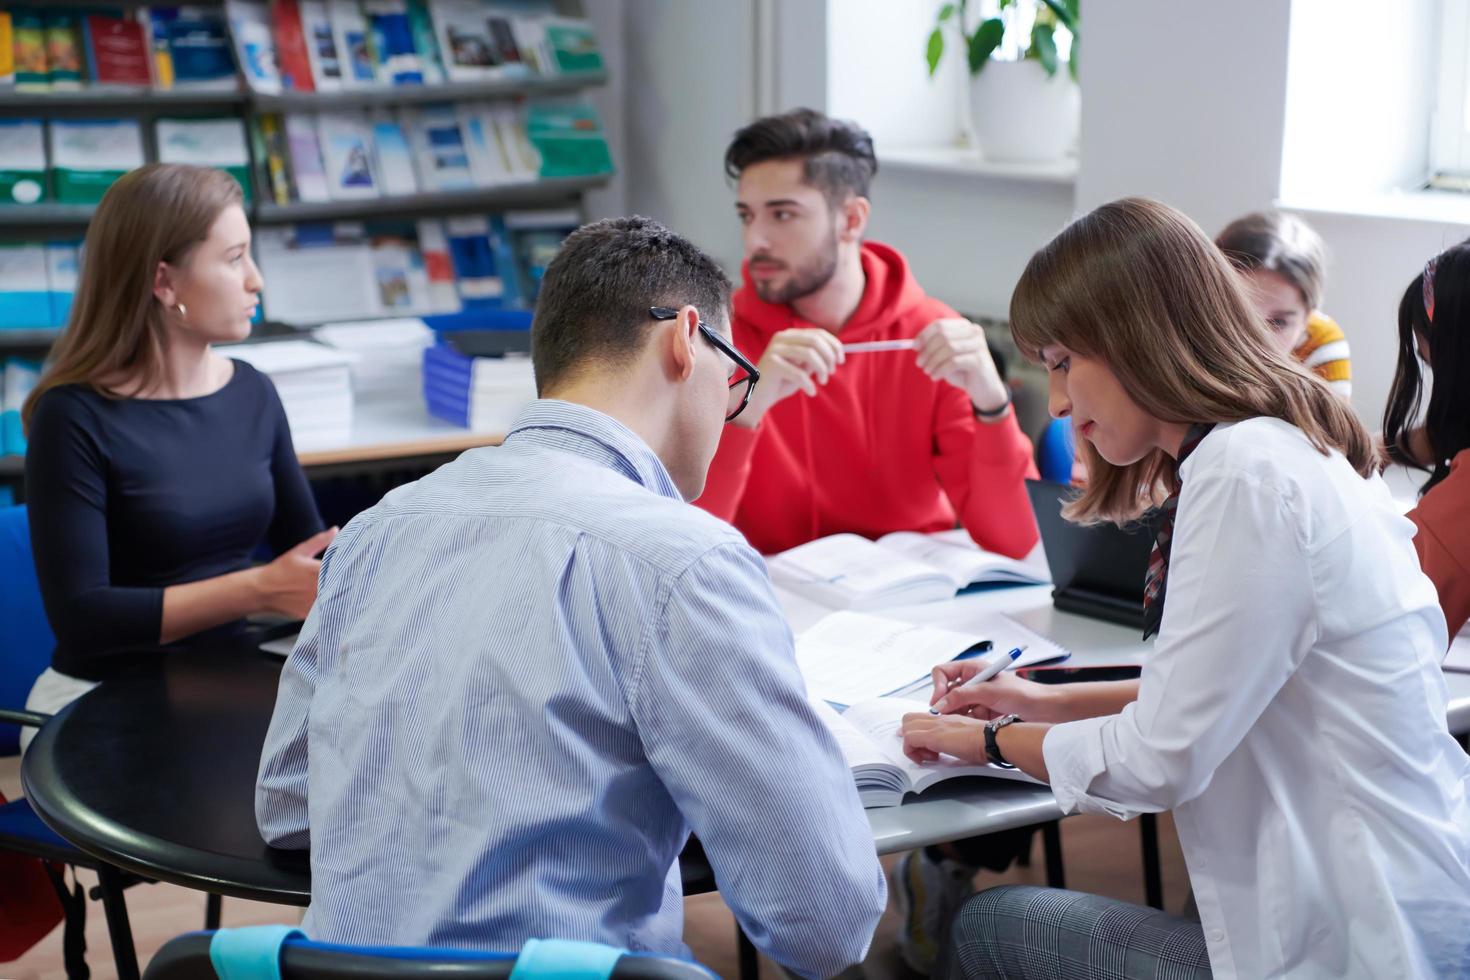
(268, 952)
(27, 652)
(1055, 451)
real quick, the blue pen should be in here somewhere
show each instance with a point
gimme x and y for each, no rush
(989, 667)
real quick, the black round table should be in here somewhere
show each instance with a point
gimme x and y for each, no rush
(155, 774)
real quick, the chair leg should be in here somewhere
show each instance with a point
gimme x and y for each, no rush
(1051, 837)
(1153, 880)
(212, 904)
(749, 961)
(74, 929)
(118, 929)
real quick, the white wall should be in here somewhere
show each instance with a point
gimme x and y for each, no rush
(689, 87)
(1182, 102)
(876, 72)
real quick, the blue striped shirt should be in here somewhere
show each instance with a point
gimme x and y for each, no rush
(525, 679)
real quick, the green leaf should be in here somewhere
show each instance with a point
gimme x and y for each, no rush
(1044, 46)
(987, 38)
(946, 12)
(1072, 58)
(935, 50)
(1063, 14)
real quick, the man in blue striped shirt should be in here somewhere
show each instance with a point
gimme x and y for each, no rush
(530, 674)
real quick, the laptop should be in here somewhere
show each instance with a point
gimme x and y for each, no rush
(1099, 570)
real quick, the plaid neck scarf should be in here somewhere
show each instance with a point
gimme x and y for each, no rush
(1158, 563)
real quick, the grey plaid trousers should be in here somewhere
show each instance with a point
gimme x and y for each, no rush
(1022, 931)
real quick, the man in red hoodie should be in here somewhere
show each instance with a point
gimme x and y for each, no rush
(840, 440)
(874, 441)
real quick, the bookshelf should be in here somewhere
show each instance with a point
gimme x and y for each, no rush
(389, 427)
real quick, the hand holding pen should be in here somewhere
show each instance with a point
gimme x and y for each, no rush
(978, 687)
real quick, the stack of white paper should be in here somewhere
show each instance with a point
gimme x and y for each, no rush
(387, 352)
(315, 385)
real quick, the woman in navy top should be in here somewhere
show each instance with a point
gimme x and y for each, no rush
(156, 467)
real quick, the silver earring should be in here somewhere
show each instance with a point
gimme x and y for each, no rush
(182, 311)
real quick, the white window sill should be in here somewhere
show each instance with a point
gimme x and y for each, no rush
(969, 163)
(1439, 207)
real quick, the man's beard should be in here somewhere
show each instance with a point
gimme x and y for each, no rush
(805, 279)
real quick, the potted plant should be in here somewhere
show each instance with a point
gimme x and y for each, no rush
(1024, 104)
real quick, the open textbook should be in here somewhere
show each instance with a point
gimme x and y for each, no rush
(868, 735)
(846, 571)
(849, 657)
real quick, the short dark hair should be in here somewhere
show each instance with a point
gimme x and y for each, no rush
(596, 293)
(837, 155)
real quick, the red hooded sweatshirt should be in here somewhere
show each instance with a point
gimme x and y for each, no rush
(880, 448)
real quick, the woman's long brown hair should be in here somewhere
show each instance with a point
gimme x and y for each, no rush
(1140, 287)
(157, 213)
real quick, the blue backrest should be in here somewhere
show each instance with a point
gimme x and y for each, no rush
(269, 952)
(25, 650)
(1055, 452)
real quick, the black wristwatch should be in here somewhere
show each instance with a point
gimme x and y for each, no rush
(993, 414)
(992, 749)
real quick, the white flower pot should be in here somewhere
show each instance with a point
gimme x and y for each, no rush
(1022, 116)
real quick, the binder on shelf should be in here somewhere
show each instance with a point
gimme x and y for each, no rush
(28, 29)
(191, 48)
(425, 43)
(350, 29)
(61, 279)
(64, 62)
(87, 155)
(117, 51)
(291, 46)
(307, 169)
(396, 60)
(394, 158)
(20, 378)
(25, 302)
(321, 46)
(568, 136)
(439, 147)
(216, 142)
(255, 45)
(7, 51)
(23, 177)
(347, 154)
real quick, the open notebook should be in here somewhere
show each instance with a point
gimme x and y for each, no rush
(849, 657)
(868, 735)
(846, 571)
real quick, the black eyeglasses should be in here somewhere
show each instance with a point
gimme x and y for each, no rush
(742, 382)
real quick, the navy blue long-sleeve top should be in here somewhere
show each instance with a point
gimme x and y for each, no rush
(128, 496)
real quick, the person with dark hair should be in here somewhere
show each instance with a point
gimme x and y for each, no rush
(156, 467)
(1434, 327)
(497, 723)
(918, 436)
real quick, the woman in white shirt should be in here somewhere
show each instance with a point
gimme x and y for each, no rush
(1292, 714)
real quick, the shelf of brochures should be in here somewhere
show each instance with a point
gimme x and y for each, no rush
(525, 194)
(43, 337)
(41, 215)
(561, 83)
(121, 98)
(382, 95)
